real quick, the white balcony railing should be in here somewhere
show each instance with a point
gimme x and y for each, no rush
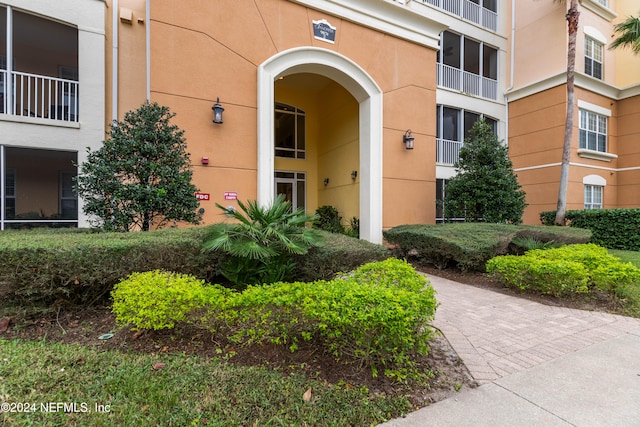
(33, 95)
(447, 152)
(468, 10)
(473, 84)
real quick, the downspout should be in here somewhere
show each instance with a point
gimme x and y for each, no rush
(114, 61)
(9, 87)
(511, 70)
(147, 20)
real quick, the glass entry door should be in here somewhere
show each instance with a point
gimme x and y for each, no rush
(293, 186)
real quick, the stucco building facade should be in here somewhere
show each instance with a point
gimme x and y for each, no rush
(321, 98)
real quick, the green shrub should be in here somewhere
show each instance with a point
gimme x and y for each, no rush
(469, 246)
(80, 267)
(611, 228)
(339, 253)
(569, 269)
(158, 299)
(328, 219)
(261, 243)
(376, 316)
(554, 277)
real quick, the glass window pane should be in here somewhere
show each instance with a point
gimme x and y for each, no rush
(602, 124)
(451, 49)
(490, 63)
(471, 56)
(300, 196)
(450, 124)
(583, 138)
(469, 120)
(591, 141)
(301, 132)
(602, 143)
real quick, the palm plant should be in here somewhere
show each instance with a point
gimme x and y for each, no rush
(628, 34)
(262, 240)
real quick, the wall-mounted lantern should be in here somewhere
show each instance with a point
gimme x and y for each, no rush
(326, 182)
(354, 175)
(217, 111)
(408, 138)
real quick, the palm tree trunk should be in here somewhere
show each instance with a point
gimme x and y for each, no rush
(572, 19)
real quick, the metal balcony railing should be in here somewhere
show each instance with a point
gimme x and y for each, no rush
(447, 152)
(468, 10)
(33, 95)
(463, 81)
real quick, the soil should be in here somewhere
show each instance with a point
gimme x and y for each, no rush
(84, 326)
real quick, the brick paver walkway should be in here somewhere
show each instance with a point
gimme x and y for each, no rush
(497, 334)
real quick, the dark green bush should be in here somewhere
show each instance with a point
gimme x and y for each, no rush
(80, 267)
(469, 246)
(611, 228)
(339, 253)
(328, 219)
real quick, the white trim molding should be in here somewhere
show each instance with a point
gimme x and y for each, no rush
(594, 108)
(404, 21)
(366, 92)
(594, 180)
(599, 9)
(596, 155)
(595, 34)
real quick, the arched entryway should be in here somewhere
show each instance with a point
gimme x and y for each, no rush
(368, 95)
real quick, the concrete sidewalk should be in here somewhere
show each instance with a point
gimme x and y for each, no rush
(538, 365)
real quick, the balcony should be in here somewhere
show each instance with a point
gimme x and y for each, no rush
(447, 152)
(38, 67)
(34, 95)
(469, 83)
(470, 10)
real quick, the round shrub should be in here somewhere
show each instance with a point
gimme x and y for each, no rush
(158, 299)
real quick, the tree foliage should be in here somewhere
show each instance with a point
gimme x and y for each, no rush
(141, 176)
(627, 34)
(486, 188)
(262, 240)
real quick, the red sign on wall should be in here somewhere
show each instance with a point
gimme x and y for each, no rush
(231, 195)
(203, 196)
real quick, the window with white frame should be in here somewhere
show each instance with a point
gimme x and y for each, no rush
(290, 133)
(593, 54)
(593, 131)
(452, 127)
(605, 3)
(593, 196)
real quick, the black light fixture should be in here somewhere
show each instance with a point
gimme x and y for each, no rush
(408, 138)
(217, 111)
(326, 182)
(354, 175)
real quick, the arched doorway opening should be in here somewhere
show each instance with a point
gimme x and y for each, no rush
(304, 63)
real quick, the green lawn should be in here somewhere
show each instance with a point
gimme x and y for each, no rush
(627, 256)
(106, 388)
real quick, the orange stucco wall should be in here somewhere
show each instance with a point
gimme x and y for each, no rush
(213, 49)
(536, 135)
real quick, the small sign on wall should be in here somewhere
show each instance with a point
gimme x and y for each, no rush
(324, 31)
(203, 196)
(231, 195)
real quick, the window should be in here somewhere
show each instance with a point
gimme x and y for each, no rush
(593, 131)
(10, 194)
(289, 131)
(68, 197)
(452, 127)
(593, 57)
(293, 186)
(605, 3)
(467, 65)
(593, 196)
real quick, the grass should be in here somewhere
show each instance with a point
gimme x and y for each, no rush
(113, 388)
(627, 256)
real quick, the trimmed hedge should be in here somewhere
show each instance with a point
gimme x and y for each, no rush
(80, 267)
(567, 270)
(375, 316)
(338, 253)
(611, 228)
(469, 246)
